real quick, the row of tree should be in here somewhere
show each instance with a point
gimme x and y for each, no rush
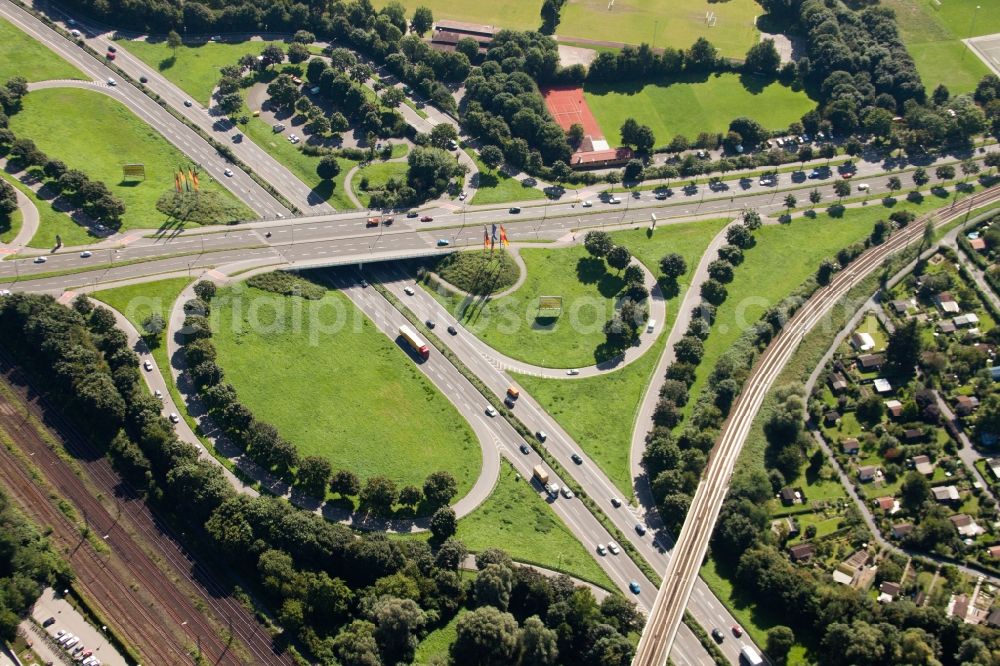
(349, 599)
(623, 328)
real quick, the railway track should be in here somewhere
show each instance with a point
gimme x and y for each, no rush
(692, 542)
(255, 642)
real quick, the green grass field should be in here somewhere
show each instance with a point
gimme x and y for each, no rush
(433, 649)
(516, 519)
(300, 164)
(50, 221)
(933, 37)
(101, 135)
(10, 225)
(479, 272)
(378, 174)
(20, 55)
(194, 68)
(334, 386)
(603, 427)
(689, 106)
(493, 187)
(678, 24)
(574, 338)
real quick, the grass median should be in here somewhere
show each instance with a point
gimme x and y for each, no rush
(20, 55)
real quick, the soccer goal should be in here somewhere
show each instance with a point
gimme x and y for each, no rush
(550, 306)
(710, 19)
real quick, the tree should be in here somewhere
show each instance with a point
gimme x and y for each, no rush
(752, 132)
(397, 624)
(328, 167)
(575, 134)
(493, 585)
(739, 235)
(633, 171)
(790, 201)
(920, 177)
(345, 483)
(442, 135)
(314, 475)
(444, 524)
(721, 270)
(945, 172)
(673, 266)
(205, 290)
(485, 637)
(598, 243)
(410, 495)
(355, 645)
(538, 643)
(283, 91)
(841, 188)
(272, 55)
(633, 275)
(762, 58)
(780, 640)
(153, 325)
(713, 291)
(903, 350)
(440, 488)
(430, 170)
(751, 219)
(969, 167)
(619, 257)
(894, 184)
(174, 41)
(914, 491)
(815, 197)
(298, 53)
(491, 156)
(378, 495)
(689, 349)
(422, 20)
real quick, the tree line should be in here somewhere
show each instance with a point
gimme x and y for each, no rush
(92, 196)
(346, 598)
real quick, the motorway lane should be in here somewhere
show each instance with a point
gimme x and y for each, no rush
(180, 135)
(620, 568)
(706, 608)
(693, 540)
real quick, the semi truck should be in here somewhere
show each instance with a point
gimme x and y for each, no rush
(415, 341)
(750, 657)
(541, 474)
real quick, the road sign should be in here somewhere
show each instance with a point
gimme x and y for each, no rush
(131, 171)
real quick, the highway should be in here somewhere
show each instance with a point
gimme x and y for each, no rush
(173, 130)
(692, 542)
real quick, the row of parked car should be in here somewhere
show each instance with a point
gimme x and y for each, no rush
(73, 646)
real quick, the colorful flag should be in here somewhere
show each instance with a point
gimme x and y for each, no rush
(486, 238)
(194, 177)
(503, 237)
(493, 236)
(177, 182)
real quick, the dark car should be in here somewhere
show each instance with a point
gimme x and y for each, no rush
(112, 49)
(514, 210)
(430, 323)
(427, 218)
(49, 622)
(509, 402)
(412, 213)
(143, 79)
(525, 449)
(718, 635)
(576, 458)
(453, 330)
(541, 436)
(640, 529)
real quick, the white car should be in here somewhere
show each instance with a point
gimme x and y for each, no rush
(228, 172)
(174, 418)
(461, 197)
(587, 204)
(112, 82)
(614, 200)
(74, 32)
(148, 365)
(491, 411)
(60, 633)
(567, 493)
(601, 550)
(187, 102)
(408, 291)
(572, 372)
(85, 254)
(158, 394)
(40, 260)
(613, 547)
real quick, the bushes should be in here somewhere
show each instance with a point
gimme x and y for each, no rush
(287, 284)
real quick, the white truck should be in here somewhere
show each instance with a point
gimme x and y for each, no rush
(750, 657)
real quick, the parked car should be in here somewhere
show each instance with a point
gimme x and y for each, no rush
(49, 622)
(461, 197)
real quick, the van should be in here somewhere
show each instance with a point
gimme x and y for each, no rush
(513, 393)
(65, 639)
(651, 326)
(750, 657)
(71, 642)
(863, 187)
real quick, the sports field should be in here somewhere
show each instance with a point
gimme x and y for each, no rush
(336, 387)
(933, 32)
(677, 23)
(98, 137)
(691, 105)
(20, 55)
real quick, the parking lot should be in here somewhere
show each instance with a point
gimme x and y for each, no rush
(69, 620)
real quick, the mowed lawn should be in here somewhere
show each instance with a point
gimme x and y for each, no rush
(797, 248)
(378, 174)
(20, 55)
(101, 135)
(491, 187)
(336, 387)
(10, 225)
(516, 519)
(602, 426)
(194, 68)
(511, 323)
(692, 105)
(933, 37)
(512, 14)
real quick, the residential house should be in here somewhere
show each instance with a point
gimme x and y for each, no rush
(911, 435)
(968, 319)
(966, 404)
(882, 385)
(958, 606)
(994, 551)
(802, 552)
(870, 362)
(862, 341)
(888, 591)
(837, 383)
(900, 530)
(923, 464)
(993, 620)
(946, 326)
(945, 493)
(977, 244)
(867, 473)
(788, 523)
(830, 418)
(789, 496)
(888, 504)
(966, 525)
(994, 465)
(851, 446)
(899, 307)
(946, 303)
(894, 408)
(848, 571)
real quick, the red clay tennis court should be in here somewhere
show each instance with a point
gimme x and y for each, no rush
(567, 106)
